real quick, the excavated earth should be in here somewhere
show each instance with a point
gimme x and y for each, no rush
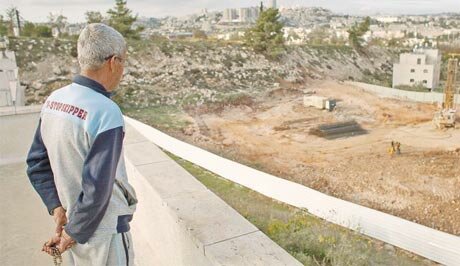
(272, 134)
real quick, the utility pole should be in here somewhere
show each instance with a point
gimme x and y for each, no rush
(19, 22)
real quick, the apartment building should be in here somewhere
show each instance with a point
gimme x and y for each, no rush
(422, 67)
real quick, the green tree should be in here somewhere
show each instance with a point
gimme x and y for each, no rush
(199, 34)
(267, 35)
(93, 17)
(29, 30)
(357, 31)
(3, 27)
(11, 16)
(32, 30)
(43, 31)
(121, 19)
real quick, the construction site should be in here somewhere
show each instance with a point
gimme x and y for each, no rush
(350, 140)
(386, 154)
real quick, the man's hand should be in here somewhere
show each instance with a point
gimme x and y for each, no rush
(66, 242)
(60, 219)
(53, 242)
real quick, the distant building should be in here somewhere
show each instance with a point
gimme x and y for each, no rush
(244, 15)
(248, 14)
(230, 15)
(422, 67)
(272, 4)
(254, 13)
(11, 92)
(386, 32)
(386, 19)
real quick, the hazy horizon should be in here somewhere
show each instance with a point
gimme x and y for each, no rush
(38, 10)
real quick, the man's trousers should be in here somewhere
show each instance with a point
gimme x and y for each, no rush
(110, 250)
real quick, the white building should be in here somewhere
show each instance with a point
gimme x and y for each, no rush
(229, 15)
(422, 67)
(386, 19)
(272, 4)
(248, 14)
(11, 92)
(245, 15)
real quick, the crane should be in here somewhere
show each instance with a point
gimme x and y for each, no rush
(446, 117)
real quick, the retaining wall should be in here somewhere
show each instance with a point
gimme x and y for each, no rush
(17, 128)
(180, 222)
(424, 241)
(424, 97)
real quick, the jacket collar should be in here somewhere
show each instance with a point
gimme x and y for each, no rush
(92, 84)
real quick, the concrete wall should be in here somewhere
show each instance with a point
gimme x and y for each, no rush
(9, 81)
(180, 222)
(17, 126)
(423, 97)
(424, 241)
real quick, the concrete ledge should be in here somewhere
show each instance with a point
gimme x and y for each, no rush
(17, 128)
(12, 110)
(414, 96)
(180, 222)
(424, 241)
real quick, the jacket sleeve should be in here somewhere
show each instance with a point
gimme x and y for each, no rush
(40, 173)
(98, 179)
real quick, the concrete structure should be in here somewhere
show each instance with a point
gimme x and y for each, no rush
(243, 15)
(230, 15)
(424, 241)
(422, 97)
(11, 92)
(178, 222)
(272, 4)
(319, 102)
(386, 19)
(314, 101)
(422, 67)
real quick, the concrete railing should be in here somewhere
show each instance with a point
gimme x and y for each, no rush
(423, 97)
(424, 241)
(17, 127)
(178, 220)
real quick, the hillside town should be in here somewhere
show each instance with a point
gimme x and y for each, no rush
(301, 25)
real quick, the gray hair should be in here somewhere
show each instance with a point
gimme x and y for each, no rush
(96, 42)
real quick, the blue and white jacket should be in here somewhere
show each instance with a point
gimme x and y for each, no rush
(76, 160)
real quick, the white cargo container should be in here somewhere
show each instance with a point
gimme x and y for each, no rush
(314, 101)
(319, 102)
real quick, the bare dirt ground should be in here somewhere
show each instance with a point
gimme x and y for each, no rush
(422, 184)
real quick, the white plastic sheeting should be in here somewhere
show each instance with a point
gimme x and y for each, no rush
(423, 97)
(424, 241)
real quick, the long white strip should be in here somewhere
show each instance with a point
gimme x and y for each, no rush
(424, 241)
(423, 97)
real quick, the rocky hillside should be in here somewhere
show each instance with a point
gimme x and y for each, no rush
(185, 73)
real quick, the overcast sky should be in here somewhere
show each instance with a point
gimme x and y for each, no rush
(38, 10)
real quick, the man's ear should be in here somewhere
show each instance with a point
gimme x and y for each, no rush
(112, 64)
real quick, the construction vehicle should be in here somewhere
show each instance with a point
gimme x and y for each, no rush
(445, 118)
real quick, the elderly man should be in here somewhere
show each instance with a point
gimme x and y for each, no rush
(76, 161)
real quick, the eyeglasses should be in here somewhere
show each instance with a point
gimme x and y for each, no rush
(116, 57)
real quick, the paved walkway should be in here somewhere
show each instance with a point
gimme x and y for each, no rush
(24, 222)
